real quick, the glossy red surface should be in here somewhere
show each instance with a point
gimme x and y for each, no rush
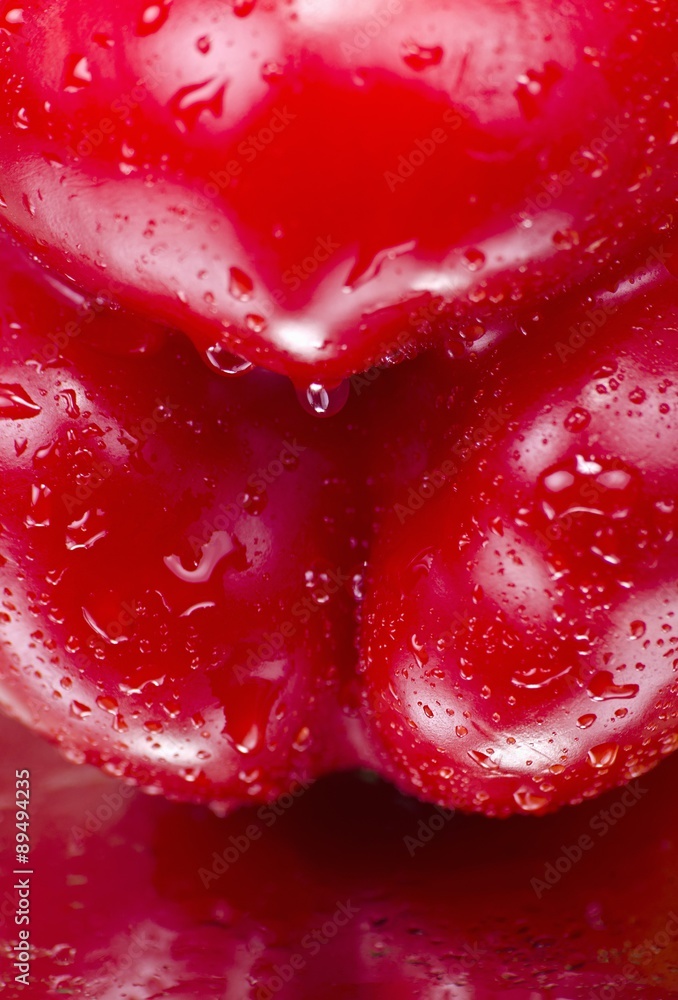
(183, 558)
(315, 186)
(129, 902)
(520, 640)
(177, 557)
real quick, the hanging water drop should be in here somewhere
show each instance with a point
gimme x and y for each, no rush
(321, 401)
(529, 801)
(226, 362)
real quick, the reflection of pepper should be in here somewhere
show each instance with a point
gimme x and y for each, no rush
(216, 905)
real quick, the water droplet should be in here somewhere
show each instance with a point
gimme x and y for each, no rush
(190, 102)
(250, 740)
(585, 486)
(255, 322)
(533, 88)
(16, 404)
(112, 634)
(203, 44)
(461, 731)
(220, 545)
(153, 17)
(77, 74)
(428, 712)
(302, 740)
(603, 755)
(577, 419)
(637, 395)
(419, 651)
(474, 259)
(240, 284)
(483, 759)
(529, 801)
(41, 507)
(241, 8)
(62, 954)
(254, 503)
(603, 688)
(79, 710)
(71, 401)
(421, 57)
(324, 402)
(226, 362)
(86, 530)
(21, 119)
(13, 19)
(107, 704)
(584, 721)
(566, 239)
(638, 629)
(271, 72)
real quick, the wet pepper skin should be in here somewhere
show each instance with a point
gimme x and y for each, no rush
(189, 563)
(313, 186)
(177, 558)
(520, 639)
